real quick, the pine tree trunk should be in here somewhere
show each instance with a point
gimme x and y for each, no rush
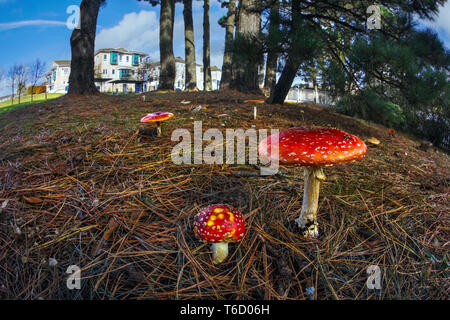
(292, 65)
(206, 48)
(247, 49)
(168, 68)
(284, 84)
(272, 55)
(82, 42)
(191, 64)
(228, 52)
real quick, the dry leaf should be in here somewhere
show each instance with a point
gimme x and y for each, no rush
(112, 226)
(32, 200)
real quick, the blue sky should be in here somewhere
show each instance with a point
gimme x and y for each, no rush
(31, 29)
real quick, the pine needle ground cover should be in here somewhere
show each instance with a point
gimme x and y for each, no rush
(80, 185)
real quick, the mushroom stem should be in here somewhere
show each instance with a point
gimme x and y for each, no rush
(308, 218)
(220, 252)
(158, 129)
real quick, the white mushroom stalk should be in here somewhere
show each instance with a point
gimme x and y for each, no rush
(158, 129)
(219, 252)
(308, 217)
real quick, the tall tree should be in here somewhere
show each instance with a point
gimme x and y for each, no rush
(189, 40)
(303, 45)
(206, 47)
(168, 66)
(167, 59)
(273, 43)
(36, 73)
(82, 42)
(247, 47)
(228, 52)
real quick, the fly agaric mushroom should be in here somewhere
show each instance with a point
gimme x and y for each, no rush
(255, 107)
(374, 141)
(312, 148)
(157, 117)
(219, 224)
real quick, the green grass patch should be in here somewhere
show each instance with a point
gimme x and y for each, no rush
(26, 100)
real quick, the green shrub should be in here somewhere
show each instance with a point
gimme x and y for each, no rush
(370, 106)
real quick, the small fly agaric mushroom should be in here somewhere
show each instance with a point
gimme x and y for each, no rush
(255, 107)
(312, 148)
(374, 141)
(219, 224)
(157, 117)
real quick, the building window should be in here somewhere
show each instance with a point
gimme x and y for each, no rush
(135, 60)
(128, 58)
(125, 73)
(114, 56)
(105, 57)
(113, 71)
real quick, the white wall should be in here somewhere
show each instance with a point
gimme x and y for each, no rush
(61, 83)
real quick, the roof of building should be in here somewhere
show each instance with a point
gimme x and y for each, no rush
(63, 63)
(120, 50)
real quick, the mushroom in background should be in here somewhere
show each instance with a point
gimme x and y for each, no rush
(312, 148)
(255, 107)
(374, 141)
(157, 117)
(219, 224)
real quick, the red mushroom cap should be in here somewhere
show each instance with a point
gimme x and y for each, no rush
(313, 146)
(219, 223)
(157, 117)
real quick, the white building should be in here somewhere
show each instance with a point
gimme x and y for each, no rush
(120, 71)
(306, 93)
(180, 77)
(58, 77)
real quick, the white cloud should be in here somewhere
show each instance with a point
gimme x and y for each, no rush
(137, 31)
(441, 22)
(28, 23)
